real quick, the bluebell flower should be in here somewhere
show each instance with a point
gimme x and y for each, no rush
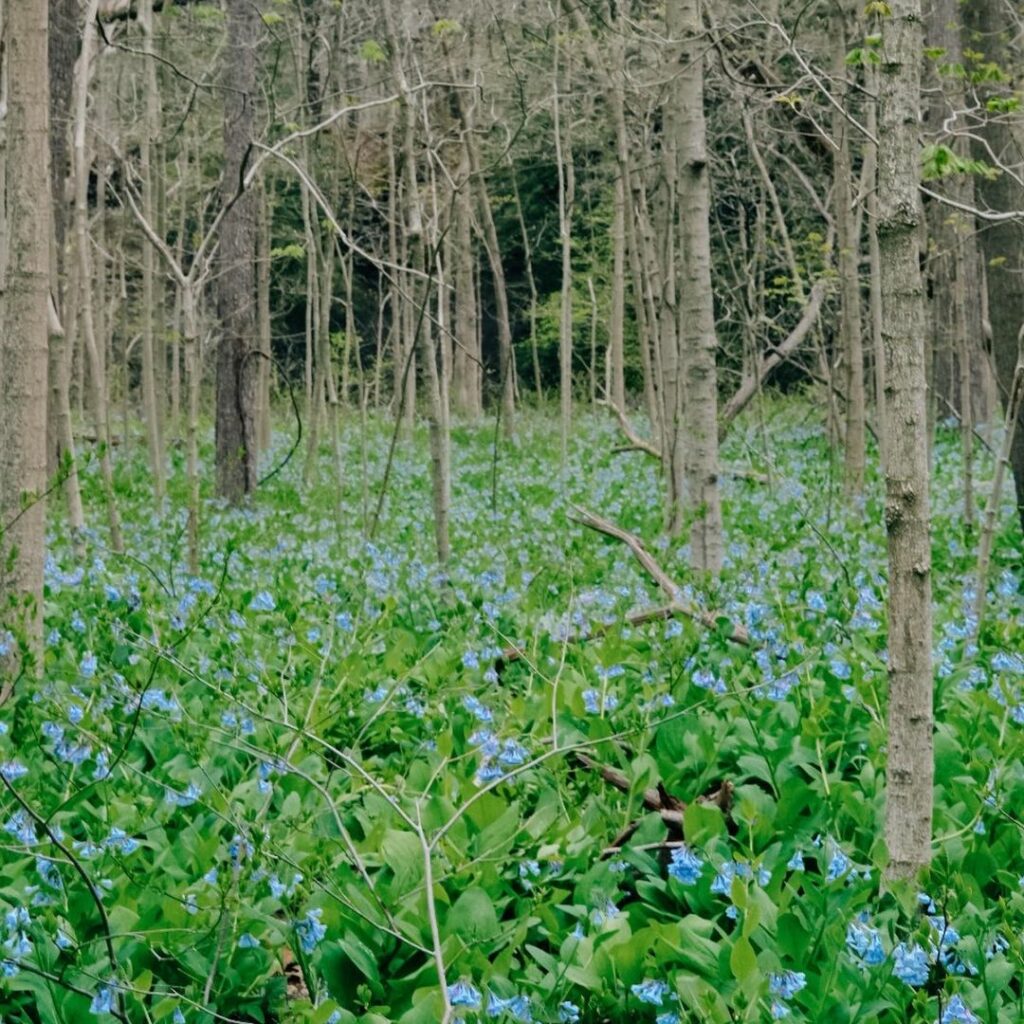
(513, 753)
(120, 840)
(489, 772)
(310, 930)
(88, 665)
(517, 1007)
(103, 1000)
(63, 940)
(49, 873)
(838, 864)
(1003, 661)
(956, 1011)
(568, 1013)
(262, 602)
(462, 993)
(650, 991)
(865, 943)
(190, 796)
(671, 1017)
(796, 862)
(12, 770)
(470, 660)
(179, 1016)
(779, 1010)
(910, 964)
(21, 826)
(686, 866)
(708, 681)
(248, 941)
(476, 709)
(787, 984)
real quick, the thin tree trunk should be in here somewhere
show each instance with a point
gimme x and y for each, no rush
(566, 199)
(150, 129)
(848, 264)
(697, 337)
(908, 812)
(263, 317)
(236, 369)
(97, 374)
(24, 340)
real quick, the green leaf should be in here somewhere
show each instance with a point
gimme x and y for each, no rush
(472, 917)
(743, 960)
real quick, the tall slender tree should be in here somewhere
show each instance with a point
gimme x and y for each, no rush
(697, 337)
(237, 367)
(908, 814)
(24, 338)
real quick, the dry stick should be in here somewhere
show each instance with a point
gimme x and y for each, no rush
(1013, 408)
(737, 634)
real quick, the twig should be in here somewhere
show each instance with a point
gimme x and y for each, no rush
(737, 634)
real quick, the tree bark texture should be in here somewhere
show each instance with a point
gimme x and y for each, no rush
(908, 814)
(237, 368)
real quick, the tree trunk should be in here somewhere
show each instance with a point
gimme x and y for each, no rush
(848, 265)
(24, 336)
(237, 371)
(698, 340)
(150, 130)
(908, 813)
(566, 199)
(83, 252)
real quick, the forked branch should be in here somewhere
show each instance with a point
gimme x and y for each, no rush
(676, 606)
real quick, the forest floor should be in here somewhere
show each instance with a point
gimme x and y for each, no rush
(302, 784)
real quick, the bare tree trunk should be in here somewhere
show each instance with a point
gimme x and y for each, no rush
(848, 264)
(698, 340)
(63, 49)
(875, 269)
(24, 339)
(97, 373)
(468, 399)
(150, 129)
(908, 813)
(566, 199)
(236, 369)
(263, 317)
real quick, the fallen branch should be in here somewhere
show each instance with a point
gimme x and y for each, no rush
(676, 607)
(636, 442)
(779, 354)
(655, 798)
